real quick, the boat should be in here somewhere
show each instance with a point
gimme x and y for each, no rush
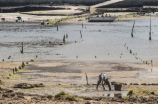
(101, 19)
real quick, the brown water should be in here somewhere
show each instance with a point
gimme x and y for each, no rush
(106, 41)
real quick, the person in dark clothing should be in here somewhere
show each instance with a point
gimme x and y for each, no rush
(103, 79)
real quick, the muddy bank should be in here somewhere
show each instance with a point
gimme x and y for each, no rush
(9, 96)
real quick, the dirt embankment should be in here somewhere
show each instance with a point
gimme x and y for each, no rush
(11, 97)
(40, 13)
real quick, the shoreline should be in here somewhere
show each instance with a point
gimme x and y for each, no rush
(67, 11)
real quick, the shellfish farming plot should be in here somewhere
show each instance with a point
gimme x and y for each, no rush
(102, 40)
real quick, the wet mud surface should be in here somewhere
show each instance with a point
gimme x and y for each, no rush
(41, 40)
(70, 77)
(63, 68)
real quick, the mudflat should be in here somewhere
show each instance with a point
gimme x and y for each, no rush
(57, 73)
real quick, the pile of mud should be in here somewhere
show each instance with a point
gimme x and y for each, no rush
(28, 86)
(10, 97)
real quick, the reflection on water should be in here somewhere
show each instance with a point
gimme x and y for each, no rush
(99, 41)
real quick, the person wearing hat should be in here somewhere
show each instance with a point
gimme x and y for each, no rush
(103, 78)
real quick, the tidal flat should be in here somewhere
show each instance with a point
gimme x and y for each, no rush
(90, 48)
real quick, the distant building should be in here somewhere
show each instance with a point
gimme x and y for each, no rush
(125, 3)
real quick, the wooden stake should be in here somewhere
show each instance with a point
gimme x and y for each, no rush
(150, 28)
(86, 78)
(132, 29)
(81, 34)
(151, 65)
(13, 71)
(57, 27)
(64, 39)
(66, 36)
(22, 51)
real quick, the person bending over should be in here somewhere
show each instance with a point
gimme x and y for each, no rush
(103, 78)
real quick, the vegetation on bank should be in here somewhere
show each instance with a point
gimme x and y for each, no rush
(1, 82)
(16, 70)
(64, 96)
(57, 21)
(139, 92)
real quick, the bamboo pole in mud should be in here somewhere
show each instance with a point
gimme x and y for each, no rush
(86, 78)
(57, 27)
(13, 71)
(66, 36)
(81, 34)
(150, 28)
(132, 29)
(82, 25)
(22, 51)
(64, 39)
(151, 65)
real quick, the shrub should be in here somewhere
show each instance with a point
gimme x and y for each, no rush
(70, 98)
(23, 65)
(9, 57)
(16, 69)
(144, 92)
(41, 84)
(13, 71)
(19, 67)
(1, 82)
(64, 96)
(59, 95)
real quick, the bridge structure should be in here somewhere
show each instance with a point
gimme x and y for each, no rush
(106, 3)
(93, 8)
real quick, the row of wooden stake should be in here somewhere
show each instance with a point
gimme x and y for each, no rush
(149, 31)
